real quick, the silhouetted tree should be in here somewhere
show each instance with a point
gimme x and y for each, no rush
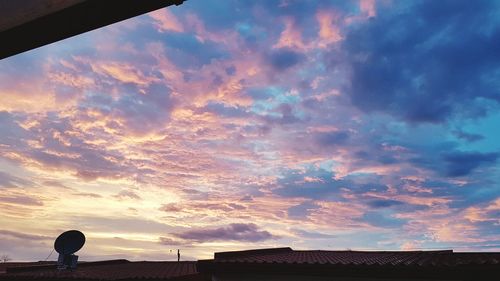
(4, 258)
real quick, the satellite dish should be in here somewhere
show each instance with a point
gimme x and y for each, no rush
(69, 242)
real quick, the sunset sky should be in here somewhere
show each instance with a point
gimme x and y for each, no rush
(226, 125)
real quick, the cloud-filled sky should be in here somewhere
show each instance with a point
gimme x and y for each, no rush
(226, 125)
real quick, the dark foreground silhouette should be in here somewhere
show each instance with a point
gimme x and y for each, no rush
(281, 264)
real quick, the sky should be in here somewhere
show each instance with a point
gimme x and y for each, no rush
(227, 125)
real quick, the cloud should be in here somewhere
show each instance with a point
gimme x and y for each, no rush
(12, 133)
(384, 203)
(302, 210)
(171, 207)
(54, 142)
(429, 69)
(127, 194)
(469, 137)
(122, 224)
(187, 51)
(122, 72)
(54, 183)
(170, 242)
(200, 207)
(332, 138)
(223, 110)
(233, 232)
(282, 59)
(166, 20)
(21, 200)
(290, 37)
(463, 163)
(293, 184)
(368, 7)
(88, 194)
(89, 165)
(140, 113)
(24, 236)
(319, 184)
(8, 181)
(313, 235)
(382, 219)
(329, 31)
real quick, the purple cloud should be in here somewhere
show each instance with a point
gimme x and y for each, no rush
(7, 181)
(21, 200)
(233, 232)
(387, 55)
(170, 242)
(283, 59)
(333, 138)
(127, 194)
(24, 236)
(462, 163)
(88, 194)
(171, 207)
(381, 203)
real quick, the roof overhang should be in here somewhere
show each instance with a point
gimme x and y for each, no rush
(29, 24)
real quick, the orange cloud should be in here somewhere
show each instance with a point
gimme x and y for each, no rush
(290, 37)
(329, 31)
(123, 72)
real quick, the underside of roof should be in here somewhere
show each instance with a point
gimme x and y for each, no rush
(29, 24)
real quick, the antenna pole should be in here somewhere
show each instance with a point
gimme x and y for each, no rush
(49, 255)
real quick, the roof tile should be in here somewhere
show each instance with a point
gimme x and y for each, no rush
(109, 270)
(369, 258)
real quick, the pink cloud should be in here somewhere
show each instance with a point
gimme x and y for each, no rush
(290, 37)
(483, 213)
(247, 232)
(368, 7)
(123, 72)
(166, 21)
(329, 30)
(37, 96)
(411, 245)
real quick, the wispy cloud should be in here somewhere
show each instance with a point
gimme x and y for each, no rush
(24, 236)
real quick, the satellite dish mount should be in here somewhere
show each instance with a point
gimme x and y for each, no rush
(66, 245)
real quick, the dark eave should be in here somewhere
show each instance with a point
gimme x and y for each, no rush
(29, 24)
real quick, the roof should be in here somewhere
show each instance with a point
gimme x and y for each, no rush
(367, 263)
(5, 265)
(393, 258)
(29, 24)
(29, 10)
(108, 270)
